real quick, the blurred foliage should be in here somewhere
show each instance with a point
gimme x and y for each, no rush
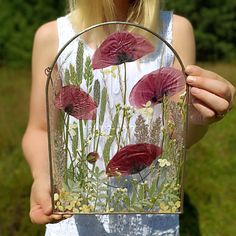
(214, 22)
(15, 176)
(19, 21)
(210, 176)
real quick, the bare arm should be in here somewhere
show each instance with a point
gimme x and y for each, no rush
(34, 143)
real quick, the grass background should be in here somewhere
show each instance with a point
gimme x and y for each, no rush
(210, 178)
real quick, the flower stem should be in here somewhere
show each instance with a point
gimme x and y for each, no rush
(66, 141)
(141, 177)
(124, 109)
(95, 204)
(83, 172)
(81, 137)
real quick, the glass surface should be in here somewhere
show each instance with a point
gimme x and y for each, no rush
(117, 124)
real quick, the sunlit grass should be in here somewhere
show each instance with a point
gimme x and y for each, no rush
(210, 170)
(210, 175)
(14, 173)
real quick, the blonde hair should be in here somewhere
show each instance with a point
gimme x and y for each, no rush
(85, 14)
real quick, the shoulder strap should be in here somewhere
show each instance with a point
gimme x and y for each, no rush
(65, 30)
(166, 18)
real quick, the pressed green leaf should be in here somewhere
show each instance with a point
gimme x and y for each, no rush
(67, 77)
(134, 194)
(102, 195)
(79, 62)
(75, 140)
(138, 207)
(96, 171)
(72, 75)
(101, 189)
(141, 192)
(153, 187)
(110, 140)
(103, 105)
(96, 91)
(88, 74)
(101, 204)
(127, 201)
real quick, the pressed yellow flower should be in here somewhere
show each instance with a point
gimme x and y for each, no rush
(61, 208)
(69, 207)
(165, 211)
(174, 209)
(64, 194)
(73, 203)
(110, 71)
(163, 206)
(85, 208)
(56, 196)
(178, 204)
(75, 210)
(72, 128)
(168, 211)
(147, 111)
(182, 96)
(164, 162)
(171, 125)
(109, 210)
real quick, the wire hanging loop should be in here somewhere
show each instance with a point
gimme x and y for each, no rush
(48, 71)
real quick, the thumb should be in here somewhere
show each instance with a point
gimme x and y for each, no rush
(193, 70)
(41, 196)
(46, 203)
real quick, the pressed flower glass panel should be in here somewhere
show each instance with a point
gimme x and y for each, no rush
(117, 115)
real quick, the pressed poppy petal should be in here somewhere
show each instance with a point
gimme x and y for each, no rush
(92, 157)
(132, 159)
(77, 103)
(120, 47)
(153, 86)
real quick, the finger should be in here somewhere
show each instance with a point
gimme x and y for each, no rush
(207, 114)
(214, 102)
(45, 202)
(43, 199)
(37, 216)
(67, 216)
(40, 218)
(55, 218)
(194, 70)
(217, 87)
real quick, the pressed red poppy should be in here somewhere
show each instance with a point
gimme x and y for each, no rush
(132, 159)
(120, 47)
(92, 157)
(153, 86)
(77, 103)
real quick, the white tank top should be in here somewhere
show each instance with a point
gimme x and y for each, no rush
(115, 225)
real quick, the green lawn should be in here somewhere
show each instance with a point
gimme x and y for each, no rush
(15, 177)
(210, 208)
(211, 176)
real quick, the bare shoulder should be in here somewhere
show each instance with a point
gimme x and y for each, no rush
(46, 38)
(183, 38)
(181, 23)
(47, 32)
